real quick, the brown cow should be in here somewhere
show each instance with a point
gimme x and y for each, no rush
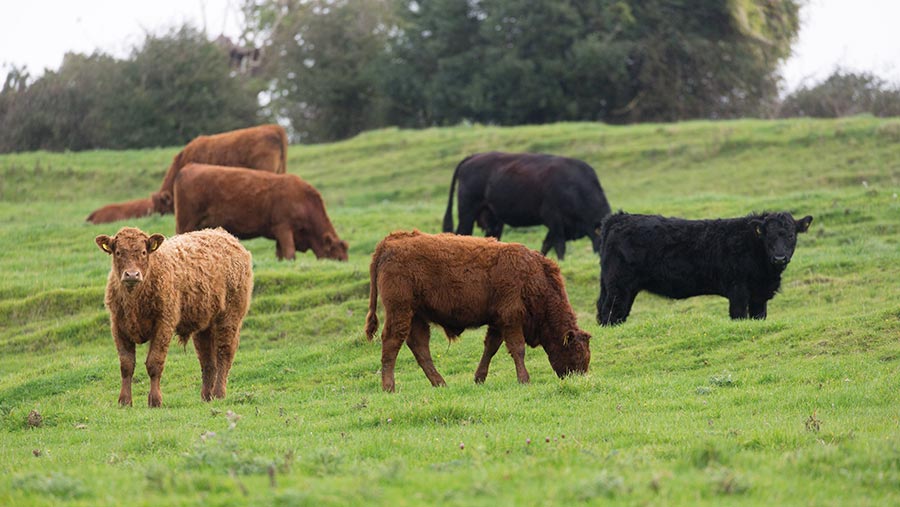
(121, 211)
(197, 285)
(250, 204)
(263, 148)
(460, 282)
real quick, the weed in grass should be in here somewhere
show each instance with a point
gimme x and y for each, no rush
(813, 424)
(604, 484)
(35, 419)
(55, 484)
(727, 482)
(723, 379)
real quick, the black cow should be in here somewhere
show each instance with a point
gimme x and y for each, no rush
(738, 258)
(522, 189)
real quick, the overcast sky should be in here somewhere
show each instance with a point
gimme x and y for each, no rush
(857, 35)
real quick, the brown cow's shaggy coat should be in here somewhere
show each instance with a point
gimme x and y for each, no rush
(263, 148)
(460, 282)
(197, 285)
(121, 211)
(250, 204)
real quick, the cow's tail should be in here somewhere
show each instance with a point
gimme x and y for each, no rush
(372, 316)
(284, 146)
(448, 215)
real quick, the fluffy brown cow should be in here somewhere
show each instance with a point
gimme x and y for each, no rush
(263, 148)
(250, 204)
(121, 211)
(460, 282)
(197, 285)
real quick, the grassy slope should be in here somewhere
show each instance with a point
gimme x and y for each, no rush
(682, 405)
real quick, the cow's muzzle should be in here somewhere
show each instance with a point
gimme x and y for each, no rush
(780, 260)
(131, 278)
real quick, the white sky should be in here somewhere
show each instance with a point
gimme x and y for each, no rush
(858, 35)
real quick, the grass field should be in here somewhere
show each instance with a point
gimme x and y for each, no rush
(682, 406)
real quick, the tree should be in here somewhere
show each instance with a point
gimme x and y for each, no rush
(843, 94)
(173, 87)
(178, 86)
(62, 109)
(320, 56)
(519, 61)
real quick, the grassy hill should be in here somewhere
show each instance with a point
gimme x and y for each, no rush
(682, 405)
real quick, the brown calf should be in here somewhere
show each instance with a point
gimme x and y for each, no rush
(263, 148)
(196, 285)
(250, 204)
(121, 211)
(461, 282)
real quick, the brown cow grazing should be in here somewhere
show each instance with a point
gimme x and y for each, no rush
(263, 148)
(121, 211)
(250, 204)
(460, 282)
(197, 285)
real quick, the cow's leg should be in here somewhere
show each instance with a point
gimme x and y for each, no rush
(556, 239)
(758, 308)
(492, 226)
(396, 330)
(515, 343)
(467, 217)
(203, 344)
(156, 362)
(419, 336)
(126, 367)
(225, 343)
(492, 342)
(738, 300)
(284, 242)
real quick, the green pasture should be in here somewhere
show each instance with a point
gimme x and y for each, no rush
(682, 406)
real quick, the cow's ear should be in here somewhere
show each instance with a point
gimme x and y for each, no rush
(154, 241)
(105, 243)
(803, 223)
(757, 225)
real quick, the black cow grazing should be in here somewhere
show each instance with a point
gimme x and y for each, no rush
(522, 189)
(738, 258)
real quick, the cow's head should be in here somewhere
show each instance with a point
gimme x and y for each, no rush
(163, 202)
(778, 234)
(572, 354)
(130, 249)
(335, 248)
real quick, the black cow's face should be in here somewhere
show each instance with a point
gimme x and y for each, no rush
(130, 249)
(778, 233)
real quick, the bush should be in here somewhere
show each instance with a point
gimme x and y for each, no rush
(843, 94)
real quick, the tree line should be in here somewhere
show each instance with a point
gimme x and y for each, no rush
(334, 68)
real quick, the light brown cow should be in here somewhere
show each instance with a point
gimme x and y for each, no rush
(121, 211)
(460, 282)
(263, 148)
(250, 204)
(197, 285)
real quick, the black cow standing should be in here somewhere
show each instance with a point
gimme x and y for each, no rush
(523, 189)
(738, 258)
